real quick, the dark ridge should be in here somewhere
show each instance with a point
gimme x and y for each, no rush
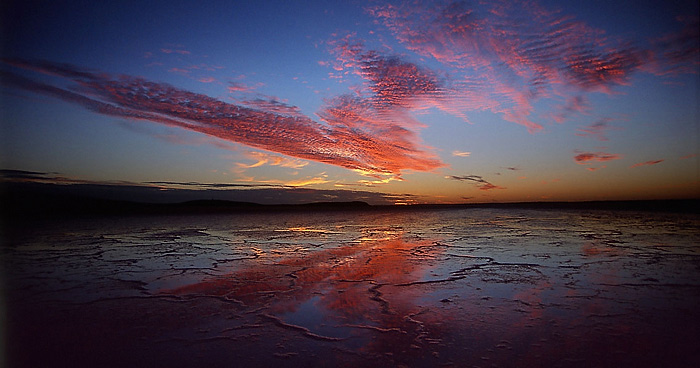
(24, 203)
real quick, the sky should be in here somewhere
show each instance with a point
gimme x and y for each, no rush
(388, 102)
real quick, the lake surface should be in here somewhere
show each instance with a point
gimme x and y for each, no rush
(381, 288)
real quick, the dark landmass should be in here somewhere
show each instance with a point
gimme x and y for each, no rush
(29, 202)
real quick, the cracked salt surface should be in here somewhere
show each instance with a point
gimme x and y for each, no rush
(476, 287)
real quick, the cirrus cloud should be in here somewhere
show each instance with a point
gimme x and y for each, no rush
(515, 52)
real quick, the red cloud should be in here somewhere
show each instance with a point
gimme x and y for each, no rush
(274, 127)
(395, 83)
(647, 163)
(588, 157)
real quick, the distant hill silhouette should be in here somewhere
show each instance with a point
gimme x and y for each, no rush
(27, 201)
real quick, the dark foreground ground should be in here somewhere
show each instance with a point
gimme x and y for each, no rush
(452, 287)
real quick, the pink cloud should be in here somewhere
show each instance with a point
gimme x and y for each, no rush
(585, 158)
(520, 39)
(179, 71)
(647, 163)
(375, 149)
(689, 156)
(240, 87)
(207, 79)
(516, 52)
(394, 83)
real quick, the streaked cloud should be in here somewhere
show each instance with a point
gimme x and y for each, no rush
(382, 146)
(479, 181)
(200, 186)
(647, 163)
(263, 158)
(585, 158)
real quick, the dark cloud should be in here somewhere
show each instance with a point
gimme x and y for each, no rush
(480, 182)
(474, 178)
(23, 174)
(175, 191)
(212, 185)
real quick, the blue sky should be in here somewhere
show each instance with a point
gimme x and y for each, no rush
(437, 102)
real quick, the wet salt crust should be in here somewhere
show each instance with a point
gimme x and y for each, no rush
(451, 288)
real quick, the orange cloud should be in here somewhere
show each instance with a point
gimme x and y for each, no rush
(272, 160)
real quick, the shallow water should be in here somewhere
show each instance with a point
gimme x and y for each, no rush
(462, 288)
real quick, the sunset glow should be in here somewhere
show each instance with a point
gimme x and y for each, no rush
(386, 102)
